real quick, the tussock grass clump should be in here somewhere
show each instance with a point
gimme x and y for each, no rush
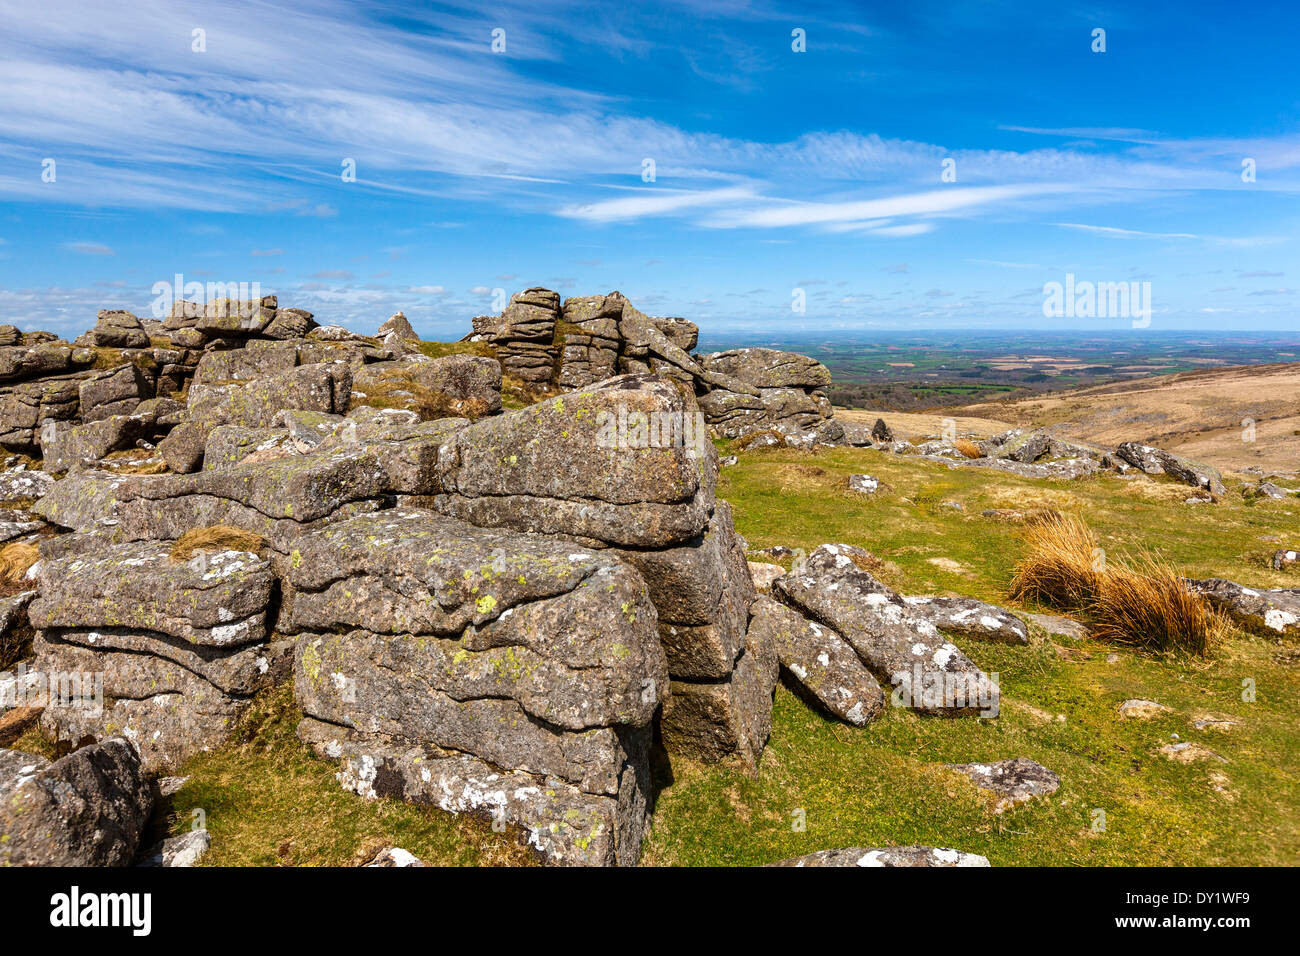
(1142, 602)
(1062, 567)
(219, 537)
(968, 448)
(1150, 605)
(15, 561)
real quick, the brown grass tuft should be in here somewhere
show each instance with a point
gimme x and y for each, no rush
(867, 561)
(1142, 602)
(1060, 568)
(16, 559)
(1149, 605)
(968, 448)
(219, 537)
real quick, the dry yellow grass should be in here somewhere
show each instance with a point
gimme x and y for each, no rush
(1142, 602)
(968, 448)
(1062, 567)
(1149, 605)
(913, 426)
(216, 538)
(16, 559)
(1198, 414)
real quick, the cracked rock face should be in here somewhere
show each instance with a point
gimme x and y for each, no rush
(438, 660)
(928, 673)
(168, 652)
(635, 486)
(821, 662)
(87, 809)
(1010, 781)
(714, 720)
(888, 856)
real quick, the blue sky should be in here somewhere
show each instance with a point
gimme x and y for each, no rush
(774, 169)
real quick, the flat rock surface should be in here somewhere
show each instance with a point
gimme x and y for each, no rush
(1137, 707)
(1010, 781)
(968, 617)
(821, 662)
(218, 600)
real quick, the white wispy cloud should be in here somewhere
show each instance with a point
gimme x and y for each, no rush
(136, 118)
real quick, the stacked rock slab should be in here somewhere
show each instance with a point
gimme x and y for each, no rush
(590, 338)
(524, 334)
(480, 671)
(790, 397)
(124, 361)
(163, 651)
(613, 467)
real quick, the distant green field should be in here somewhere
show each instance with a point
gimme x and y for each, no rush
(903, 371)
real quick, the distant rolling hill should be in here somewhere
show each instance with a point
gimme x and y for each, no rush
(1200, 414)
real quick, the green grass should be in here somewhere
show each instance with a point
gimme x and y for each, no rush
(883, 784)
(269, 802)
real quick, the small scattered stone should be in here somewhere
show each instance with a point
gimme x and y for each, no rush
(863, 484)
(1213, 723)
(395, 856)
(1011, 781)
(1285, 558)
(1189, 752)
(764, 575)
(184, 850)
(1137, 707)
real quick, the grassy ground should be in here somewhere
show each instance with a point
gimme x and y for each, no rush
(883, 784)
(268, 802)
